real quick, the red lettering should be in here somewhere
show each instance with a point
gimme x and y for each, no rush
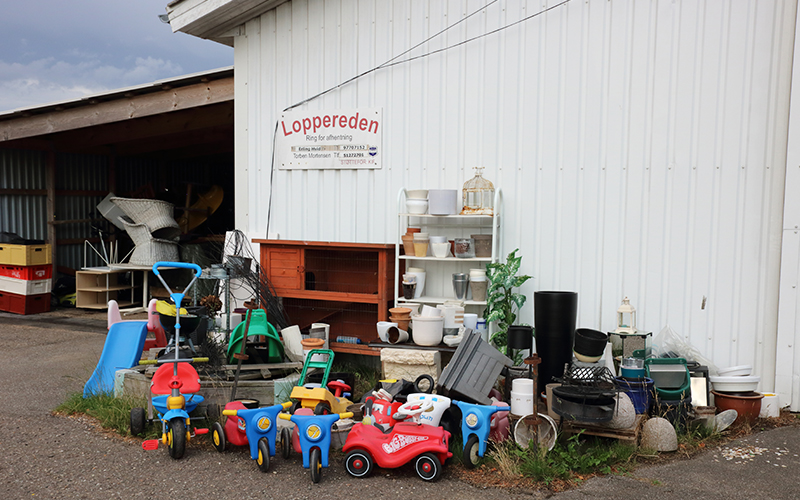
(362, 124)
(317, 123)
(353, 121)
(342, 121)
(306, 124)
(296, 126)
(373, 122)
(326, 122)
(285, 132)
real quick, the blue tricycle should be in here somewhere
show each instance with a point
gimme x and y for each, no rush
(475, 429)
(315, 439)
(261, 429)
(172, 384)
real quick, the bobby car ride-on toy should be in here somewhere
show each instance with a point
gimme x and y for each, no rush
(475, 429)
(368, 445)
(260, 426)
(171, 404)
(315, 439)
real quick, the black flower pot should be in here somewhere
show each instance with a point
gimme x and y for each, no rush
(520, 337)
(554, 315)
(590, 343)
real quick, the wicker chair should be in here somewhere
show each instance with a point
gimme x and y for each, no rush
(155, 214)
(149, 250)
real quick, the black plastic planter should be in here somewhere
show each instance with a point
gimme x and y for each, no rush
(554, 315)
(590, 342)
(520, 337)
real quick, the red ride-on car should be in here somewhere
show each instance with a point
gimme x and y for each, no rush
(425, 445)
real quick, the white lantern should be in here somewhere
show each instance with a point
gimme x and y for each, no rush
(626, 318)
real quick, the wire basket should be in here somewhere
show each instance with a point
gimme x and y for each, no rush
(155, 214)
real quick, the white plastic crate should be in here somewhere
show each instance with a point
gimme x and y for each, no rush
(25, 287)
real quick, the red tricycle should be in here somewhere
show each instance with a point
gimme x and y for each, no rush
(426, 445)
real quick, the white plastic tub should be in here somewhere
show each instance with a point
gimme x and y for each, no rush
(735, 384)
(427, 330)
(735, 371)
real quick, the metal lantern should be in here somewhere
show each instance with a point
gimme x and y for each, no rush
(626, 318)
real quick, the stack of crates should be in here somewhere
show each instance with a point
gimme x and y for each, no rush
(26, 278)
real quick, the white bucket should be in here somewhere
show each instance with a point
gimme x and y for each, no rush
(427, 330)
(522, 386)
(521, 403)
(770, 406)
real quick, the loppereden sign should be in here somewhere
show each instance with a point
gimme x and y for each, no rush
(344, 139)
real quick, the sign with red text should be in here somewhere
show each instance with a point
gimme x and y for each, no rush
(343, 139)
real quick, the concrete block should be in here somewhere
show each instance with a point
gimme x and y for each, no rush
(409, 364)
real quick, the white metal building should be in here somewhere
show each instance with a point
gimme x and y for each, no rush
(643, 147)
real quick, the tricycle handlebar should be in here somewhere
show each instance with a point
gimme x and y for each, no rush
(183, 265)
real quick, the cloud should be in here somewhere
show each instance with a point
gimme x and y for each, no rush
(45, 81)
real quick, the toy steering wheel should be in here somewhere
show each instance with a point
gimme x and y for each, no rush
(338, 387)
(414, 409)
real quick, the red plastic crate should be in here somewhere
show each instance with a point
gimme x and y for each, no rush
(43, 272)
(24, 304)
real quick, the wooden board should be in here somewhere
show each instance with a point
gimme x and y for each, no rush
(631, 434)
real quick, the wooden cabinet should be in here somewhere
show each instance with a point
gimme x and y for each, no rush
(349, 286)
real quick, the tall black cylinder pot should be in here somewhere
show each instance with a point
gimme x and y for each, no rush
(554, 316)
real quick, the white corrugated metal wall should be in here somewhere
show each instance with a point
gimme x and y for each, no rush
(640, 145)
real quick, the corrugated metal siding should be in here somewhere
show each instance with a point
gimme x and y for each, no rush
(24, 215)
(640, 145)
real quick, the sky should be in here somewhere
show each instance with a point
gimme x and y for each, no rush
(56, 50)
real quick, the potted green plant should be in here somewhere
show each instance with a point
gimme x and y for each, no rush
(502, 302)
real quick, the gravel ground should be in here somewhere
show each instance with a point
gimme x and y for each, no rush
(47, 357)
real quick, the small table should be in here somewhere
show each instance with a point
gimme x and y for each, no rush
(145, 284)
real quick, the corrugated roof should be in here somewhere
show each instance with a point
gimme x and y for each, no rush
(111, 95)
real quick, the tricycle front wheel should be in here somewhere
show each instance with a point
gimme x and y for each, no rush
(315, 461)
(358, 463)
(471, 452)
(177, 438)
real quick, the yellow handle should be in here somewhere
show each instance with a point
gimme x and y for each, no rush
(347, 414)
(229, 413)
(284, 416)
(148, 362)
(286, 405)
(200, 360)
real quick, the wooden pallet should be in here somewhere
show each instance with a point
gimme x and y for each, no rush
(631, 434)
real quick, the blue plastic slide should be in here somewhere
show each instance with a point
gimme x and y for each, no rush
(123, 349)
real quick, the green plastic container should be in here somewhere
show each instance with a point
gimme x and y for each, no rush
(261, 327)
(670, 377)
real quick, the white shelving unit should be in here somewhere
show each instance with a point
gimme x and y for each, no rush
(439, 271)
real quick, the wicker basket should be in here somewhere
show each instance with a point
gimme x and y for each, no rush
(155, 214)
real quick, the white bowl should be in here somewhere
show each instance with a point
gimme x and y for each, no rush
(417, 207)
(735, 371)
(427, 330)
(438, 239)
(741, 383)
(417, 194)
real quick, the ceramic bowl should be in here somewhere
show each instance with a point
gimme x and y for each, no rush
(417, 207)
(438, 239)
(417, 194)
